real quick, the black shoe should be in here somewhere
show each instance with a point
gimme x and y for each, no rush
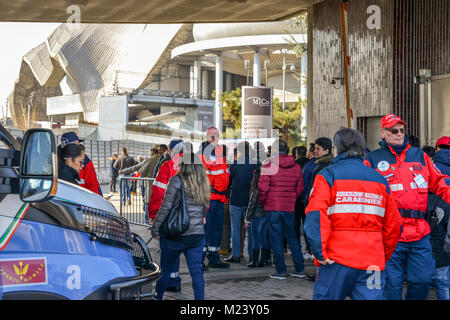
(232, 259)
(174, 289)
(220, 265)
(254, 259)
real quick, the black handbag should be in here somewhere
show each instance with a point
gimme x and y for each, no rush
(177, 221)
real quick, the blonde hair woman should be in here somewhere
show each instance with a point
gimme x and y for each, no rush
(191, 243)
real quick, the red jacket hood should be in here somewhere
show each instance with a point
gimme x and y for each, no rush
(283, 160)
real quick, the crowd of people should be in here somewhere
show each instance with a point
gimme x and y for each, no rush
(379, 216)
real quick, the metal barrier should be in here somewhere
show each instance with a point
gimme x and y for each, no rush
(134, 198)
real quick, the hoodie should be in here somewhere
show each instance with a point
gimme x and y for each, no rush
(442, 161)
(280, 183)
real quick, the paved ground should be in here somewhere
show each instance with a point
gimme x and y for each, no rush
(239, 282)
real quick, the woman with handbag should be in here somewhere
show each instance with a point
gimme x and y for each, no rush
(187, 192)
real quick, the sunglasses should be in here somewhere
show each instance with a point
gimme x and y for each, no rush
(395, 131)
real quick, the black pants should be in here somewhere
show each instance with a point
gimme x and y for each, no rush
(112, 184)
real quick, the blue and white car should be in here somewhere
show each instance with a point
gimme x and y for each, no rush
(58, 240)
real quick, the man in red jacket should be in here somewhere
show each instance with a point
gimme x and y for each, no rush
(410, 174)
(214, 161)
(167, 170)
(280, 184)
(352, 224)
(87, 174)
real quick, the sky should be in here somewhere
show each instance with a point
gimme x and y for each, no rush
(17, 38)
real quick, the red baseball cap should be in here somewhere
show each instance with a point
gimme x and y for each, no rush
(390, 120)
(212, 131)
(443, 141)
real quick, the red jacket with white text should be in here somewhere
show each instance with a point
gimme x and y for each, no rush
(351, 217)
(410, 176)
(218, 173)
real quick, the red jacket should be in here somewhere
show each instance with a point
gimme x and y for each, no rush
(88, 177)
(218, 174)
(280, 183)
(409, 190)
(167, 170)
(351, 217)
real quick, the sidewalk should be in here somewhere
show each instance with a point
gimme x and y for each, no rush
(238, 282)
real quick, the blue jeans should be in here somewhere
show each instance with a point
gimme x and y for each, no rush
(235, 218)
(259, 233)
(125, 192)
(170, 258)
(336, 282)
(282, 224)
(416, 260)
(442, 283)
(213, 230)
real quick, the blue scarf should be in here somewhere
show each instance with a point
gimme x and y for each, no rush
(397, 148)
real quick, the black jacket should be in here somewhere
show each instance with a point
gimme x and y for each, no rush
(241, 174)
(439, 225)
(322, 163)
(196, 211)
(255, 209)
(68, 174)
(302, 161)
(114, 172)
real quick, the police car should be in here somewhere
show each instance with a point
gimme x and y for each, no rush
(58, 240)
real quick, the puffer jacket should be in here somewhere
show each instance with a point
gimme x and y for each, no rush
(254, 209)
(442, 161)
(280, 183)
(196, 211)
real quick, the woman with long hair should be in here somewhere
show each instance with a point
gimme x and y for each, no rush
(71, 160)
(191, 243)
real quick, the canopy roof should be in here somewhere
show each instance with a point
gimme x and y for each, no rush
(153, 11)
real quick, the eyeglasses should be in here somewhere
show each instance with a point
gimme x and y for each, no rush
(395, 131)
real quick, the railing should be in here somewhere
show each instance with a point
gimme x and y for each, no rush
(134, 198)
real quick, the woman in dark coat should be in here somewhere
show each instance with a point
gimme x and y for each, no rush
(192, 242)
(71, 159)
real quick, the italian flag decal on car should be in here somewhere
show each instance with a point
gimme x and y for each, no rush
(12, 211)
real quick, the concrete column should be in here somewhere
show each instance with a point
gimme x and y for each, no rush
(303, 71)
(204, 84)
(256, 69)
(228, 82)
(310, 94)
(219, 89)
(197, 75)
(191, 81)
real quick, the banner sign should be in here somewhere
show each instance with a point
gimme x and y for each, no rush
(206, 117)
(257, 112)
(27, 271)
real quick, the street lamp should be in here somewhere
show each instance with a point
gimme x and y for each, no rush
(266, 67)
(247, 67)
